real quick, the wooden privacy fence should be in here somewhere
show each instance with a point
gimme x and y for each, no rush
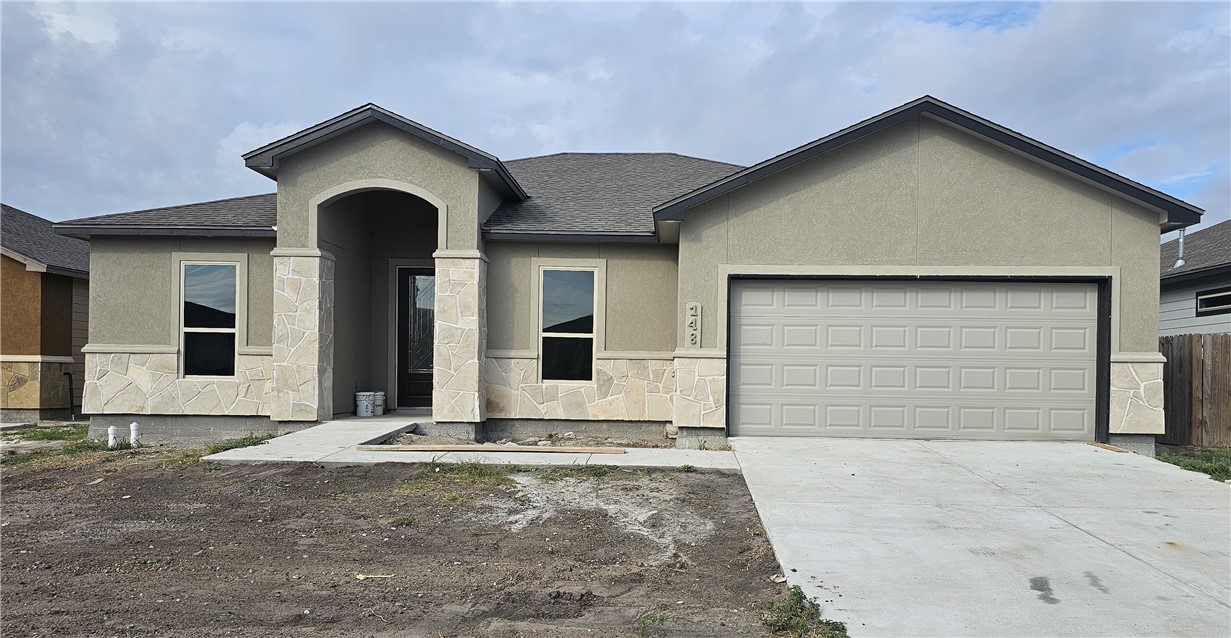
(1197, 383)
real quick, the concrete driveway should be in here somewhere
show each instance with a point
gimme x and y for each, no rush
(957, 538)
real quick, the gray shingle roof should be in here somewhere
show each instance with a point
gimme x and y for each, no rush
(254, 215)
(32, 237)
(1206, 249)
(599, 193)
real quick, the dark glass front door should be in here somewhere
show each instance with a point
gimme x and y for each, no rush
(416, 316)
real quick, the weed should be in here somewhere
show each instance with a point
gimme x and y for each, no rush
(647, 624)
(701, 445)
(401, 521)
(1216, 462)
(685, 468)
(63, 433)
(800, 616)
(550, 475)
(233, 444)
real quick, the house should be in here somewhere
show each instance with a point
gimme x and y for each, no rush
(44, 298)
(1196, 293)
(925, 273)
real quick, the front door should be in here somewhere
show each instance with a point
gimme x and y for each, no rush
(416, 314)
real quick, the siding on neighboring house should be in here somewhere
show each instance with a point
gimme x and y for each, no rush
(1177, 310)
(81, 334)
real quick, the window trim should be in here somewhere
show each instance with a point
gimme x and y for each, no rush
(598, 330)
(240, 262)
(1223, 309)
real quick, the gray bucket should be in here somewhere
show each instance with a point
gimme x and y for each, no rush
(364, 403)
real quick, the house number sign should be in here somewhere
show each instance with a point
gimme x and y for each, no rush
(692, 324)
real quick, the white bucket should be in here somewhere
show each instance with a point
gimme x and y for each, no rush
(364, 403)
(378, 404)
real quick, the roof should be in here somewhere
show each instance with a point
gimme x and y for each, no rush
(1206, 251)
(601, 194)
(251, 216)
(265, 160)
(32, 237)
(1178, 213)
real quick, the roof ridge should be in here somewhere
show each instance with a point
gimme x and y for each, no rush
(626, 153)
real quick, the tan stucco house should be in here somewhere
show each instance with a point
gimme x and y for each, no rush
(923, 274)
(44, 299)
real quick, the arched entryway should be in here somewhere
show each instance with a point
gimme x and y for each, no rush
(382, 241)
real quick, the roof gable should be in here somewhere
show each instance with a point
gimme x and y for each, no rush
(265, 160)
(1176, 213)
(31, 238)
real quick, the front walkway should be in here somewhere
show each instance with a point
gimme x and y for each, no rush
(972, 538)
(336, 443)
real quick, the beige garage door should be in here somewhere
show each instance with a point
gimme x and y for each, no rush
(952, 360)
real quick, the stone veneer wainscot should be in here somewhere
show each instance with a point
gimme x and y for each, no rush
(623, 390)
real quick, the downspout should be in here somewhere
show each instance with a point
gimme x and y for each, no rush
(1180, 258)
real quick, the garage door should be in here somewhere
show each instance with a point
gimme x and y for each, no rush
(954, 360)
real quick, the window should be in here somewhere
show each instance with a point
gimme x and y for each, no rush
(1214, 302)
(566, 324)
(208, 319)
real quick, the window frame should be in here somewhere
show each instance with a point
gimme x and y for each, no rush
(1223, 309)
(240, 261)
(597, 330)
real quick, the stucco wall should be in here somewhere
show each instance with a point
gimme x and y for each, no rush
(138, 273)
(370, 152)
(922, 193)
(641, 294)
(20, 301)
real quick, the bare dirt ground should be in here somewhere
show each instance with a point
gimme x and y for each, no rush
(147, 543)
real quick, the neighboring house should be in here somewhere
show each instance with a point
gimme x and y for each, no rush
(1196, 296)
(922, 274)
(44, 300)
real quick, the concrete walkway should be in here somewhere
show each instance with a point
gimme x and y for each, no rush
(956, 538)
(336, 442)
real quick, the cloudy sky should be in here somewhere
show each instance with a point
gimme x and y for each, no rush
(116, 107)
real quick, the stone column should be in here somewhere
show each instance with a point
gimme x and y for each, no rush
(302, 385)
(1137, 397)
(458, 388)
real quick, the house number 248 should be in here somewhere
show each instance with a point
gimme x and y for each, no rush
(692, 324)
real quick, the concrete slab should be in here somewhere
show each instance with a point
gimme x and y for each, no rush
(931, 538)
(335, 443)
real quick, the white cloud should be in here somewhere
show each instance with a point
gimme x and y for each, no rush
(86, 22)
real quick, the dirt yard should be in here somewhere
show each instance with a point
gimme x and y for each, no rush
(147, 543)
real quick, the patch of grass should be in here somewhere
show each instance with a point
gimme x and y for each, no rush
(74, 449)
(63, 433)
(440, 475)
(648, 624)
(800, 616)
(553, 474)
(1216, 462)
(685, 468)
(401, 521)
(233, 444)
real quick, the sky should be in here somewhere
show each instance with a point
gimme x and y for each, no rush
(109, 107)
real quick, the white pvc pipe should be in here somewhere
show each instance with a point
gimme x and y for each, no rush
(111, 437)
(134, 432)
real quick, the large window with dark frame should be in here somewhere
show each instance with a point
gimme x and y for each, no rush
(1214, 302)
(566, 324)
(208, 319)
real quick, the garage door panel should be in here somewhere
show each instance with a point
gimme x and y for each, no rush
(931, 360)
